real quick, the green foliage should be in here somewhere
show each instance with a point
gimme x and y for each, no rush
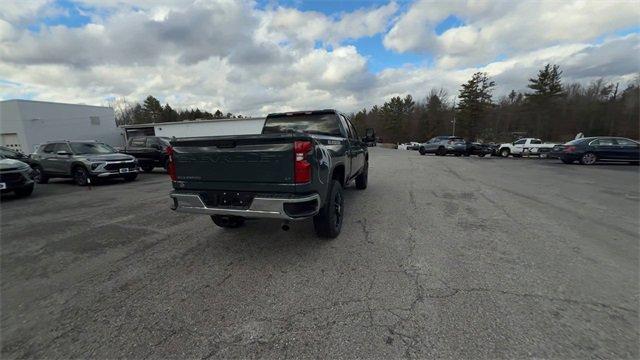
(475, 103)
(548, 84)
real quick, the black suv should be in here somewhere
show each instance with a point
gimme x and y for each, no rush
(82, 161)
(151, 151)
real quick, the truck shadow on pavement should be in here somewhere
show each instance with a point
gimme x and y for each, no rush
(267, 233)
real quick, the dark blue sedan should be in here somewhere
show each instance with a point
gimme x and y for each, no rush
(590, 150)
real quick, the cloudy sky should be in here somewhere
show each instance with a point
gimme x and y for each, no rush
(255, 57)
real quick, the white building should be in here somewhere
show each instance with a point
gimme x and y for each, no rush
(202, 127)
(24, 124)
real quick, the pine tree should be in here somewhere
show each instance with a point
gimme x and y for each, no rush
(475, 102)
(152, 109)
(168, 114)
(547, 89)
(547, 85)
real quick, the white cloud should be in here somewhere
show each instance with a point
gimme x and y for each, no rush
(300, 28)
(237, 57)
(495, 28)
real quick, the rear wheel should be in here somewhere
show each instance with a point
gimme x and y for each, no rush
(422, 151)
(505, 152)
(328, 222)
(588, 159)
(81, 176)
(229, 222)
(441, 151)
(39, 175)
(481, 155)
(363, 178)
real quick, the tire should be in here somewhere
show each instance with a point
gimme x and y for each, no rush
(481, 155)
(363, 178)
(26, 191)
(567, 161)
(39, 175)
(229, 222)
(441, 151)
(328, 222)
(81, 176)
(504, 152)
(422, 151)
(458, 154)
(129, 177)
(588, 159)
(147, 168)
(544, 155)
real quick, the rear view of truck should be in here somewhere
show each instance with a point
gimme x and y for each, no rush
(283, 174)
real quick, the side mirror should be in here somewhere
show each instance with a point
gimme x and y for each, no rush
(63, 153)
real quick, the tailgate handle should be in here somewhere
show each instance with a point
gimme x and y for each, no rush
(226, 144)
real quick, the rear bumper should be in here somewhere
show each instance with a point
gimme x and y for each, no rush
(284, 208)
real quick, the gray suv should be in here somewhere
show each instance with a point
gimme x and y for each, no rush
(82, 161)
(440, 145)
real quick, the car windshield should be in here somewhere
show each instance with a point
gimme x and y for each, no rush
(91, 148)
(324, 124)
(575, 142)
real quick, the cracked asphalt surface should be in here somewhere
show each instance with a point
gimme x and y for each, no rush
(439, 257)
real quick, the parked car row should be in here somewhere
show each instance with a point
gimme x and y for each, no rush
(444, 145)
(83, 161)
(586, 151)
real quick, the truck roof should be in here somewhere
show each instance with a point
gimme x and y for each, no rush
(304, 112)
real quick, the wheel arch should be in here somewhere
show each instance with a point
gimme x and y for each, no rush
(338, 173)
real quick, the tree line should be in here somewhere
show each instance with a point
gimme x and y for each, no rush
(151, 111)
(549, 110)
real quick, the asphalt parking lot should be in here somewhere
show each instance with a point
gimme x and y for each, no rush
(439, 257)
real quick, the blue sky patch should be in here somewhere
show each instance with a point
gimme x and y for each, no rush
(72, 16)
(450, 22)
(380, 58)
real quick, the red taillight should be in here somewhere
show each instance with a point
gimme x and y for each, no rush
(569, 149)
(171, 166)
(302, 168)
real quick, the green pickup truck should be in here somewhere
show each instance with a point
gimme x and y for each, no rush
(296, 169)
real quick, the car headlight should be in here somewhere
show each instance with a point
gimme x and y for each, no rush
(95, 165)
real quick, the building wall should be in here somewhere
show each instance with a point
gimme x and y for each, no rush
(211, 128)
(11, 129)
(46, 121)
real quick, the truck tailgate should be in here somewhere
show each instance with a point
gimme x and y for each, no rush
(265, 158)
